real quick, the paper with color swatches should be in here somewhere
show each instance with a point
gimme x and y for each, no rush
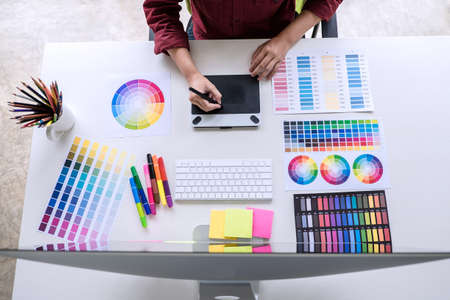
(334, 154)
(88, 192)
(351, 222)
(316, 83)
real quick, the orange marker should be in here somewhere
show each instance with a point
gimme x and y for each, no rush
(162, 169)
(162, 195)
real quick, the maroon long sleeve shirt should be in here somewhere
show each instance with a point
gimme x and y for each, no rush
(226, 19)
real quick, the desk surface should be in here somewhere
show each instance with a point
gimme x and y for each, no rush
(409, 85)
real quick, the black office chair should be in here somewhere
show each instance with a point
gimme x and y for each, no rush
(329, 29)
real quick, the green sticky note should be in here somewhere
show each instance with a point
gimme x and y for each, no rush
(237, 249)
(238, 223)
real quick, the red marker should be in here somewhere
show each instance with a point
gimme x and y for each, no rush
(162, 169)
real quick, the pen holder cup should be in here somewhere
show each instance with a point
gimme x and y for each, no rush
(63, 125)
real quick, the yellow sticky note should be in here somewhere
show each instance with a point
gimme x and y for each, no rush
(216, 248)
(238, 249)
(238, 223)
(217, 224)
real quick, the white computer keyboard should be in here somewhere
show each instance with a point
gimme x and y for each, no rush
(224, 179)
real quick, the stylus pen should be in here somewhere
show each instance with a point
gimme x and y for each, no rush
(159, 181)
(140, 190)
(151, 169)
(165, 182)
(204, 96)
(149, 190)
(138, 203)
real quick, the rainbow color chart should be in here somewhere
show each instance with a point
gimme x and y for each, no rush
(331, 135)
(88, 192)
(311, 83)
(138, 104)
(349, 152)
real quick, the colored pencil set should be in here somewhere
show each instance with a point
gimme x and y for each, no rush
(44, 107)
(158, 191)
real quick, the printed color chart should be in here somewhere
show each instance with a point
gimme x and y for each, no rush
(348, 153)
(351, 222)
(88, 191)
(331, 135)
(138, 104)
(312, 83)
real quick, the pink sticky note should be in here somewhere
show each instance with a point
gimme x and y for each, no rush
(262, 249)
(262, 222)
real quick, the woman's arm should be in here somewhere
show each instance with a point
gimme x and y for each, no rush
(266, 58)
(163, 17)
(195, 79)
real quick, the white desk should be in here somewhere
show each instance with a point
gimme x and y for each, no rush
(409, 82)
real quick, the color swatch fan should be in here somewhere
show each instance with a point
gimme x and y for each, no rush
(138, 104)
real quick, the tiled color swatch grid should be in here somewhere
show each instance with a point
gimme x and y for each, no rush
(321, 83)
(352, 222)
(89, 196)
(331, 135)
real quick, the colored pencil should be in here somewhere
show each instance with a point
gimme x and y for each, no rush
(44, 106)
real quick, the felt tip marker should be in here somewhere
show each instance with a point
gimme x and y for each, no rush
(141, 193)
(138, 203)
(151, 169)
(149, 190)
(159, 181)
(162, 170)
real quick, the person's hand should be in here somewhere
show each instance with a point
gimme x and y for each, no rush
(203, 85)
(267, 57)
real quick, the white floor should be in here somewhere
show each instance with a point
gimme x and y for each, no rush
(25, 27)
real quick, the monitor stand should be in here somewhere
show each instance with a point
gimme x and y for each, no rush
(221, 290)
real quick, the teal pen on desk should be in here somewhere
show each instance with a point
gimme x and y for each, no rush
(141, 193)
(138, 203)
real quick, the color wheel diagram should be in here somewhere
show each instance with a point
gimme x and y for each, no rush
(302, 170)
(367, 168)
(335, 169)
(138, 104)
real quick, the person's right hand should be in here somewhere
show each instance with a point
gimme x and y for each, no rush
(203, 85)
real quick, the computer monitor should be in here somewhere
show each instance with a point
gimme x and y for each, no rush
(239, 272)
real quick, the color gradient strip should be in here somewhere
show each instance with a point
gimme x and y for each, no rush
(331, 135)
(280, 87)
(117, 199)
(68, 188)
(59, 184)
(78, 189)
(305, 82)
(87, 193)
(97, 196)
(106, 199)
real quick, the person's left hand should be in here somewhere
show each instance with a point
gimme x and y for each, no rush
(267, 57)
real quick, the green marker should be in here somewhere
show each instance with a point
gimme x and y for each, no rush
(138, 203)
(140, 190)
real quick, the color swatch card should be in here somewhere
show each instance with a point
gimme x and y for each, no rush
(88, 192)
(334, 154)
(350, 222)
(315, 83)
(132, 104)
